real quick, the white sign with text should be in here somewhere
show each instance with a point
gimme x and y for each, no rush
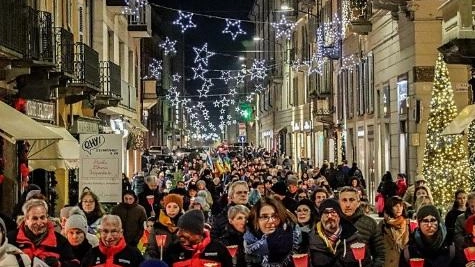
(100, 166)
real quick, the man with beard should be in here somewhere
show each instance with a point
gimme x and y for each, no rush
(133, 215)
(367, 228)
(330, 241)
(36, 237)
(195, 247)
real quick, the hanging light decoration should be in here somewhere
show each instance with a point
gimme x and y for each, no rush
(284, 28)
(233, 27)
(184, 20)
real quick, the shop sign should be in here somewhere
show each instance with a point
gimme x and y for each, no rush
(81, 126)
(40, 110)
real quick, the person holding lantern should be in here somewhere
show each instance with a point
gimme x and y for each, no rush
(332, 237)
(165, 228)
(429, 242)
(234, 232)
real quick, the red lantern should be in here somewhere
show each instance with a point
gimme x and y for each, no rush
(20, 105)
(232, 250)
(24, 171)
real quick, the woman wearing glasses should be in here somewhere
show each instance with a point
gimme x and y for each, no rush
(271, 236)
(429, 242)
(306, 218)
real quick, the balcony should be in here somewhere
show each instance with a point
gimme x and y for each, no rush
(359, 17)
(64, 42)
(86, 69)
(458, 31)
(13, 30)
(116, 6)
(140, 23)
(39, 38)
(391, 5)
(110, 94)
(150, 95)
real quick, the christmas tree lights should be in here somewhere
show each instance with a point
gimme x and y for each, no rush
(233, 27)
(445, 165)
(471, 151)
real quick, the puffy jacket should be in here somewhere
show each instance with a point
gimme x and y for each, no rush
(54, 249)
(163, 226)
(208, 251)
(9, 256)
(120, 255)
(369, 233)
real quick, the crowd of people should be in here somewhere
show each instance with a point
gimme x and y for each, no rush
(260, 213)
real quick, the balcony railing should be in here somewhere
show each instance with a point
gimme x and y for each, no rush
(39, 38)
(116, 3)
(64, 50)
(110, 79)
(12, 31)
(140, 22)
(86, 67)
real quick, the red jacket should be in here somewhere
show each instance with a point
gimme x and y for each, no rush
(54, 249)
(119, 255)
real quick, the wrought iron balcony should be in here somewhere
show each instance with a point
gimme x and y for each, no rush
(39, 36)
(360, 11)
(13, 29)
(110, 79)
(64, 42)
(391, 5)
(140, 23)
(86, 68)
(458, 34)
(116, 3)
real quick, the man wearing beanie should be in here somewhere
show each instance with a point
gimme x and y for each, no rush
(330, 242)
(132, 215)
(195, 246)
(429, 242)
(368, 229)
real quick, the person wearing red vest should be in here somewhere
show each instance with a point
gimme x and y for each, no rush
(195, 247)
(112, 250)
(36, 237)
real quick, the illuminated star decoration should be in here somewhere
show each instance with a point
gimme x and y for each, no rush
(232, 91)
(202, 54)
(184, 21)
(155, 69)
(259, 88)
(258, 69)
(233, 27)
(225, 76)
(239, 78)
(168, 46)
(203, 92)
(199, 72)
(249, 98)
(284, 28)
(207, 84)
(225, 102)
(176, 77)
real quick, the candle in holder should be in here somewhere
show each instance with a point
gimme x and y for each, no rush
(300, 260)
(413, 225)
(232, 250)
(150, 199)
(359, 250)
(161, 239)
(470, 253)
(416, 262)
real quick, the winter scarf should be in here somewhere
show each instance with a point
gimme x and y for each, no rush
(331, 240)
(35, 239)
(431, 246)
(166, 221)
(398, 230)
(110, 252)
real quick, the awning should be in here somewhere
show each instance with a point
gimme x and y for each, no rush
(461, 122)
(118, 111)
(16, 126)
(63, 154)
(137, 124)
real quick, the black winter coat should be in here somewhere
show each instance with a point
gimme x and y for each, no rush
(232, 237)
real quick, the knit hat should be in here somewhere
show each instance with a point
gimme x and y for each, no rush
(76, 221)
(192, 221)
(420, 178)
(175, 198)
(201, 201)
(330, 203)
(153, 263)
(279, 188)
(428, 210)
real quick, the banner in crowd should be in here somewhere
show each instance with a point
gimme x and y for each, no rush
(100, 166)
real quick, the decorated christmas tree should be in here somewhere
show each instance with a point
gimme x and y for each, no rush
(445, 165)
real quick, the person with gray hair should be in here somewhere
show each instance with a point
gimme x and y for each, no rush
(37, 238)
(151, 194)
(112, 245)
(234, 231)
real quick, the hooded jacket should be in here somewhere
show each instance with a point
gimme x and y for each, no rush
(369, 233)
(120, 255)
(133, 217)
(9, 254)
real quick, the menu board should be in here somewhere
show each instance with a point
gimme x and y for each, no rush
(100, 166)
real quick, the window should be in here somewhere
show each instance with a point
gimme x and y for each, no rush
(370, 78)
(402, 93)
(386, 101)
